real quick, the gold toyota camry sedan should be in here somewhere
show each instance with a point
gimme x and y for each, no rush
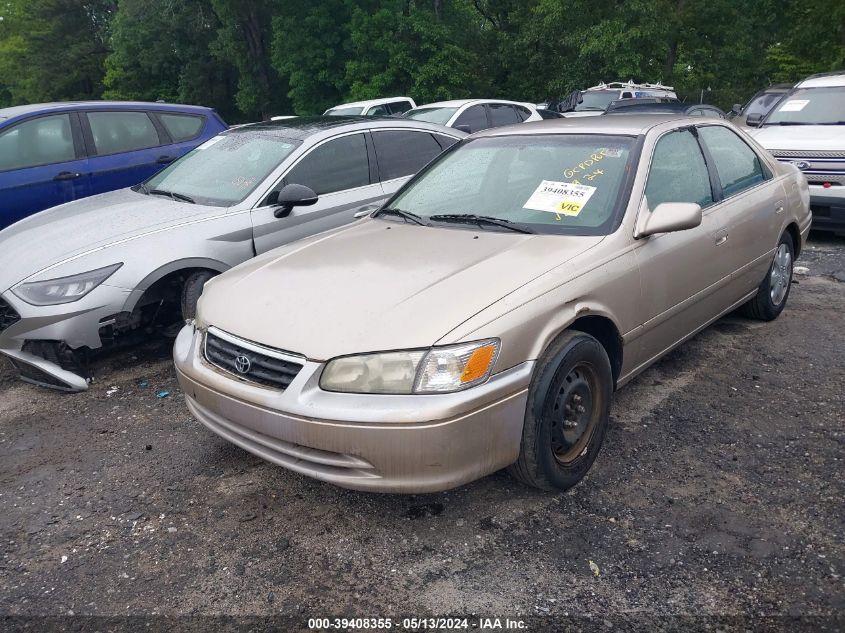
(483, 317)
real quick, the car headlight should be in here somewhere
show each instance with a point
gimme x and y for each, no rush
(437, 370)
(63, 289)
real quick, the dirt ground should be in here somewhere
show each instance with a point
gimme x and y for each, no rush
(715, 504)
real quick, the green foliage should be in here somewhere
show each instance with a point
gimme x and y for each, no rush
(257, 58)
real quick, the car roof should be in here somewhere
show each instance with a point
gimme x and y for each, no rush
(37, 108)
(302, 128)
(619, 124)
(370, 102)
(826, 80)
(457, 103)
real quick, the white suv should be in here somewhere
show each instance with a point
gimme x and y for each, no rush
(807, 129)
(374, 107)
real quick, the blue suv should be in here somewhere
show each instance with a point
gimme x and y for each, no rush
(52, 153)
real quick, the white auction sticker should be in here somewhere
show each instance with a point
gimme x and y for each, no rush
(795, 105)
(562, 198)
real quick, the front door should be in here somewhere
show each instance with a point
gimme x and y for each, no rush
(338, 170)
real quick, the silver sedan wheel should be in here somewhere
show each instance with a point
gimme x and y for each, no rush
(781, 275)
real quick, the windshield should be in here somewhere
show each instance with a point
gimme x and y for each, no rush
(344, 111)
(433, 115)
(556, 183)
(811, 106)
(598, 100)
(225, 169)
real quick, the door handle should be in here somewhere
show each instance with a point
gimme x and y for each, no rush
(67, 175)
(165, 159)
(367, 209)
(721, 237)
(779, 209)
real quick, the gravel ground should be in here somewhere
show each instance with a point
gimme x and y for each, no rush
(716, 503)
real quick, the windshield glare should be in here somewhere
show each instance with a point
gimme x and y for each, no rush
(596, 100)
(552, 183)
(344, 111)
(432, 115)
(225, 169)
(811, 106)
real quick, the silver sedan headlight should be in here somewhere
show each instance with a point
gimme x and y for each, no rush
(63, 289)
(437, 370)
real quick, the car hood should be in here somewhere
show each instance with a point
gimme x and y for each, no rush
(378, 285)
(800, 137)
(55, 235)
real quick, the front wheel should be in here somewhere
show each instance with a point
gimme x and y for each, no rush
(772, 294)
(567, 413)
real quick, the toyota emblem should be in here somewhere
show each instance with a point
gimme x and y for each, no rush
(243, 364)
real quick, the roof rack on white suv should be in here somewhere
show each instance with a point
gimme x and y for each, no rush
(630, 84)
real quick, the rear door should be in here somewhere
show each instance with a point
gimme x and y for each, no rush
(124, 146)
(341, 172)
(42, 164)
(502, 114)
(752, 206)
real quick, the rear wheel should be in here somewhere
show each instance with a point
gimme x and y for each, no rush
(191, 291)
(567, 413)
(772, 294)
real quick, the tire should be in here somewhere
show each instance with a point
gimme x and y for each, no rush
(191, 291)
(773, 292)
(553, 456)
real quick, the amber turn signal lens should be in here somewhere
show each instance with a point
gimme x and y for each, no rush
(478, 363)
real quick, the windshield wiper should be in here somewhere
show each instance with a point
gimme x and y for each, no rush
(789, 123)
(480, 220)
(171, 194)
(406, 215)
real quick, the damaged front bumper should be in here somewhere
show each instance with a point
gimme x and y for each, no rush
(26, 331)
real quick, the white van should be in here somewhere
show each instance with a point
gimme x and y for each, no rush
(807, 129)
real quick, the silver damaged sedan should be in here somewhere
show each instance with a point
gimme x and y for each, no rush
(101, 270)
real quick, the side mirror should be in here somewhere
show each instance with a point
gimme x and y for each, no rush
(291, 196)
(754, 119)
(737, 108)
(464, 128)
(669, 217)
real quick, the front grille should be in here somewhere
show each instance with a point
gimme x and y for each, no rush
(250, 361)
(8, 316)
(802, 153)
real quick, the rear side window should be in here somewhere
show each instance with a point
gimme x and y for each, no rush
(522, 112)
(475, 118)
(502, 114)
(336, 165)
(399, 107)
(737, 165)
(182, 127)
(379, 110)
(402, 153)
(122, 131)
(678, 172)
(40, 141)
(444, 141)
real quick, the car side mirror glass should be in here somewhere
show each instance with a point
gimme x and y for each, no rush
(668, 217)
(464, 128)
(291, 196)
(737, 108)
(754, 119)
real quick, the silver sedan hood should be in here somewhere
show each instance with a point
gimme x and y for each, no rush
(78, 227)
(379, 285)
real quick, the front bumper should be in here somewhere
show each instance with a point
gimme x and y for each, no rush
(76, 324)
(380, 443)
(828, 207)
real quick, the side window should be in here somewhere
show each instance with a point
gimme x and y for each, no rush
(398, 107)
(502, 114)
(333, 166)
(182, 127)
(737, 164)
(522, 112)
(379, 110)
(475, 118)
(122, 131)
(627, 95)
(678, 172)
(444, 141)
(402, 153)
(40, 141)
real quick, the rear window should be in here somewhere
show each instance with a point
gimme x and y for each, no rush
(440, 116)
(122, 131)
(182, 127)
